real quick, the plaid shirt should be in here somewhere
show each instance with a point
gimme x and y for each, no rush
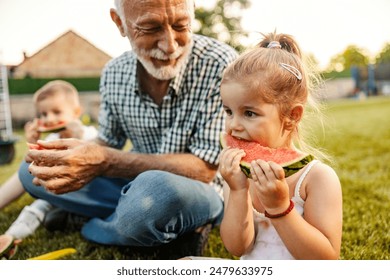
(190, 117)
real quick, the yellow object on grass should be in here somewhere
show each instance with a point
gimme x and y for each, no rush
(55, 254)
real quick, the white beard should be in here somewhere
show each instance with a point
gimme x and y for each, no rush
(164, 72)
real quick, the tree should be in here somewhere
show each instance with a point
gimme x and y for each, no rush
(351, 56)
(384, 55)
(223, 21)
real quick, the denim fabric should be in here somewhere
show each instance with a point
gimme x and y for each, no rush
(154, 208)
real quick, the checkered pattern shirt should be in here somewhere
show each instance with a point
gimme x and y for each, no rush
(190, 117)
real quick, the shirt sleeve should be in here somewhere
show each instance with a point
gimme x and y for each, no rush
(210, 120)
(205, 143)
(110, 130)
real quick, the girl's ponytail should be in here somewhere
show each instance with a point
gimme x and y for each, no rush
(281, 41)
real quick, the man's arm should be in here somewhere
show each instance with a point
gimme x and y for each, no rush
(66, 165)
(129, 165)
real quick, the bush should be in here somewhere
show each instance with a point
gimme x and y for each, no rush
(335, 75)
(30, 85)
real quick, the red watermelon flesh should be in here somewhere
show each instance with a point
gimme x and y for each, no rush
(7, 247)
(291, 160)
(33, 146)
(51, 128)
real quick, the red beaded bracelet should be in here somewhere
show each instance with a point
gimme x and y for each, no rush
(291, 207)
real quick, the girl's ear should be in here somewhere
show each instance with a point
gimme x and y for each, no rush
(294, 118)
(117, 20)
(296, 113)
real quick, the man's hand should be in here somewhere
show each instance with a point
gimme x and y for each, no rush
(66, 165)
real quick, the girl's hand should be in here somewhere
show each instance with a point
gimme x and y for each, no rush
(270, 186)
(31, 131)
(229, 167)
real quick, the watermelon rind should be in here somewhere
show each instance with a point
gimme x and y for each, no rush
(294, 167)
(290, 167)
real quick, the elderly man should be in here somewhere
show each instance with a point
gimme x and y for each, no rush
(163, 96)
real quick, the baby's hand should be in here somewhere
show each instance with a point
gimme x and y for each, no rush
(230, 169)
(73, 129)
(31, 131)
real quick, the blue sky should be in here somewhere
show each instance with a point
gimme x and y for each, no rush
(323, 28)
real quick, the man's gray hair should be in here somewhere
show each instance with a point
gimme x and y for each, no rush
(120, 10)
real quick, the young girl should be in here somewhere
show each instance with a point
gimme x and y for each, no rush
(271, 216)
(57, 102)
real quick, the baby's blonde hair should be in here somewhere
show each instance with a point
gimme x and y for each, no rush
(57, 87)
(276, 70)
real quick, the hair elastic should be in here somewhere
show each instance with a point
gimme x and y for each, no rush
(292, 70)
(274, 44)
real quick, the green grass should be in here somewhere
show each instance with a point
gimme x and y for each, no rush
(357, 136)
(360, 143)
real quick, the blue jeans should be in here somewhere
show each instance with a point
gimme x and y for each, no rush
(152, 209)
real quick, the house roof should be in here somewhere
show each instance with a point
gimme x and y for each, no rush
(68, 55)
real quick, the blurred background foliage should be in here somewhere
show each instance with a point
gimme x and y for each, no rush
(222, 21)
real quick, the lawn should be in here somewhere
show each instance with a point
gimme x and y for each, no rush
(356, 135)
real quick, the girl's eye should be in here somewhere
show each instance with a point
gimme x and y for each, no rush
(228, 111)
(250, 114)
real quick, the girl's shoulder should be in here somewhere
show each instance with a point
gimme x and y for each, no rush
(322, 171)
(321, 179)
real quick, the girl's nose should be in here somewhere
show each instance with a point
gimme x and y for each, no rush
(234, 124)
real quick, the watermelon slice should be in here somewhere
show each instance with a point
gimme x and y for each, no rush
(32, 146)
(52, 128)
(8, 247)
(291, 160)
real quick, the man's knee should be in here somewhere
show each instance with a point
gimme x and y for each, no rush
(159, 185)
(27, 181)
(152, 194)
(24, 176)
(152, 178)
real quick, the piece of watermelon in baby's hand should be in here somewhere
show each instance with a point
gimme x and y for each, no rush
(51, 128)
